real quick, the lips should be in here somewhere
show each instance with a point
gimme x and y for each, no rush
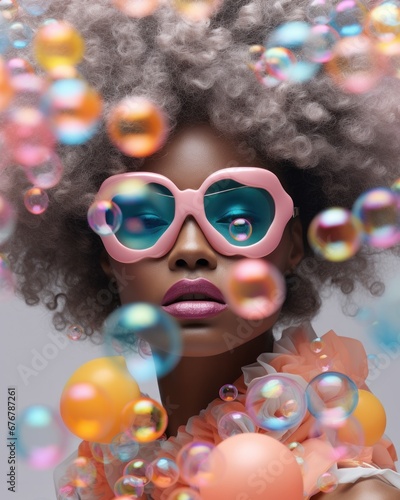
(193, 299)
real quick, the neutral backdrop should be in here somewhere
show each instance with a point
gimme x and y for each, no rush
(26, 331)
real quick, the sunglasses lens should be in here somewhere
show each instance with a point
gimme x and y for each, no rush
(242, 214)
(146, 215)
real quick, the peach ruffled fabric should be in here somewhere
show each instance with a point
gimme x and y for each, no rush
(292, 356)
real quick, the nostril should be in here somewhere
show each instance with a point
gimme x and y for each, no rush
(180, 263)
(202, 262)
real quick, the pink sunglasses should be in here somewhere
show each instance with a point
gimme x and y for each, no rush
(240, 210)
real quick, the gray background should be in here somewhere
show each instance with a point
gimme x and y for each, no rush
(25, 330)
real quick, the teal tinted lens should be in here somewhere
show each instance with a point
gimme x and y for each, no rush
(146, 215)
(242, 214)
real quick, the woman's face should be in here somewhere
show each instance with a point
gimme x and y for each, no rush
(190, 156)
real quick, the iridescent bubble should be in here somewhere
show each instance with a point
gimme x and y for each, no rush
(6, 89)
(85, 409)
(165, 472)
(240, 229)
(35, 7)
(137, 127)
(36, 200)
(29, 90)
(104, 217)
(81, 473)
(47, 174)
(19, 66)
(295, 36)
(20, 35)
(356, 65)
(29, 136)
(279, 61)
(262, 73)
(276, 402)
(58, 44)
(331, 398)
(196, 10)
(140, 469)
(124, 448)
(129, 485)
(68, 492)
(320, 11)
(321, 43)
(75, 332)
(327, 482)
(144, 420)
(199, 463)
(317, 345)
(324, 363)
(396, 186)
(378, 211)
(255, 54)
(233, 423)
(335, 234)
(383, 21)
(348, 18)
(74, 109)
(296, 448)
(137, 8)
(131, 322)
(101, 452)
(8, 220)
(42, 438)
(255, 289)
(7, 284)
(184, 494)
(8, 9)
(228, 392)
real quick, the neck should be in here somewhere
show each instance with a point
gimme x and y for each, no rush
(195, 382)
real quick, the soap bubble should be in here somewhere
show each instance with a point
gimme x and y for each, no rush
(327, 482)
(240, 229)
(67, 492)
(124, 448)
(75, 332)
(58, 44)
(235, 422)
(140, 469)
(356, 65)
(20, 35)
(196, 10)
(165, 472)
(36, 200)
(35, 7)
(317, 345)
(137, 127)
(320, 11)
(74, 109)
(383, 21)
(228, 392)
(8, 9)
(137, 8)
(47, 174)
(81, 473)
(104, 217)
(379, 212)
(258, 64)
(294, 36)
(184, 494)
(255, 289)
(144, 420)
(320, 45)
(42, 439)
(278, 62)
(348, 18)
(101, 452)
(199, 463)
(129, 485)
(335, 234)
(331, 397)
(19, 66)
(131, 322)
(276, 402)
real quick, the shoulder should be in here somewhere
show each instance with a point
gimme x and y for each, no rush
(364, 489)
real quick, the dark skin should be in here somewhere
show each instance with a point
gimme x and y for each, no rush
(210, 360)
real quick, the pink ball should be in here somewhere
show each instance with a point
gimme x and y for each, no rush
(256, 467)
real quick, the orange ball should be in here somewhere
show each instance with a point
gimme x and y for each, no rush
(93, 398)
(255, 467)
(371, 416)
(137, 127)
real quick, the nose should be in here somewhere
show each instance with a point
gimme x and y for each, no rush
(191, 249)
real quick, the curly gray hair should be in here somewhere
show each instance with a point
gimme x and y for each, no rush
(328, 146)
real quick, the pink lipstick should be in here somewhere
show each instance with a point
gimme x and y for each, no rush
(193, 299)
